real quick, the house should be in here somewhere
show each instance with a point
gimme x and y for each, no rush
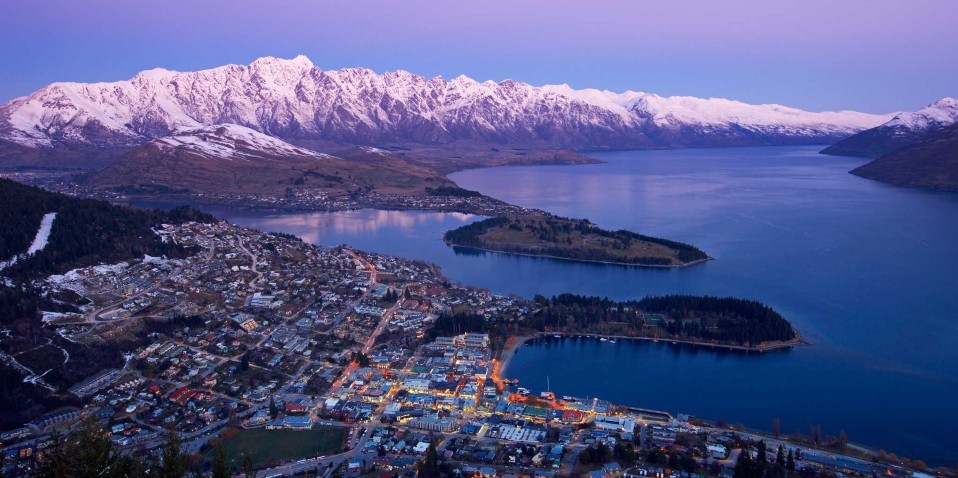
(719, 452)
(612, 469)
(295, 408)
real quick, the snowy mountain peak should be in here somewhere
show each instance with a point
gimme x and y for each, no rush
(154, 74)
(946, 102)
(932, 117)
(299, 63)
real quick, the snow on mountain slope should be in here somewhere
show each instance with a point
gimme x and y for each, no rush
(932, 117)
(294, 100)
(902, 130)
(664, 111)
(232, 141)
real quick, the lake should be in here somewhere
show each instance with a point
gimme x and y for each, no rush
(867, 272)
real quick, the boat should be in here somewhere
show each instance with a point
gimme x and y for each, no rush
(603, 339)
(611, 341)
(557, 336)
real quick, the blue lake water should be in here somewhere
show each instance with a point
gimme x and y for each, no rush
(867, 272)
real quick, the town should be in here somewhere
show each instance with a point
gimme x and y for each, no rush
(325, 361)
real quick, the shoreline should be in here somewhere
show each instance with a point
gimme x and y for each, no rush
(508, 351)
(514, 342)
(587, 261)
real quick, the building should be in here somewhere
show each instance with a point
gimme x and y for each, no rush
(245, 321)
(96, 382)
(616, 424)
(433, 424)
(54, 418)
(470, 339)
(291, 422)
(261, 301)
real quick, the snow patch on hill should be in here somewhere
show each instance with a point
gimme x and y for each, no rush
(230, 141)
(40, 241)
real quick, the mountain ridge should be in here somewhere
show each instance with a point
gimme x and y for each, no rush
(297, 102)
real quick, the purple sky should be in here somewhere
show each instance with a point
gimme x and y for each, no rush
(868, 55)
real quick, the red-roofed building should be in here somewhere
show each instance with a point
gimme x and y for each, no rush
(571, 416)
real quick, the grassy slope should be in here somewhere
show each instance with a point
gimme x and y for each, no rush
(152, 170)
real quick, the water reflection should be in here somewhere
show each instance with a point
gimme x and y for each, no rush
(343, 226)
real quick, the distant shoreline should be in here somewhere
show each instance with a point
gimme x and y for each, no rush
(589, 261)
(514, 342)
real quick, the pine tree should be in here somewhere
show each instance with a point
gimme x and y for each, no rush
(780, 456)
(429, 467)
(842, 440)
(221, 467)
(273, 411)
(743, 465)
(248, 470)
(790, 461)
(174, 463)
(87, 452)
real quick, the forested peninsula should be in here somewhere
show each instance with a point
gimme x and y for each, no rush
(705, 320)
(573, 239)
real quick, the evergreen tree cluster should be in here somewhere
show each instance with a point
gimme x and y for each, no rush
(722, 319)
(759, 467)
(452, 191)
(85, 231)
(89, 452)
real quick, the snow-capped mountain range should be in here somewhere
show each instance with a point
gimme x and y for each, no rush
(296, 101)
(902, 130)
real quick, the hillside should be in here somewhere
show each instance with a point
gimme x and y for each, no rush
(930, 163)
(295, 101)
(902, 130)
(84, 232)
(231, 159)
(552, 236)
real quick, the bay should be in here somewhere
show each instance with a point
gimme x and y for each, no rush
(866, 271)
